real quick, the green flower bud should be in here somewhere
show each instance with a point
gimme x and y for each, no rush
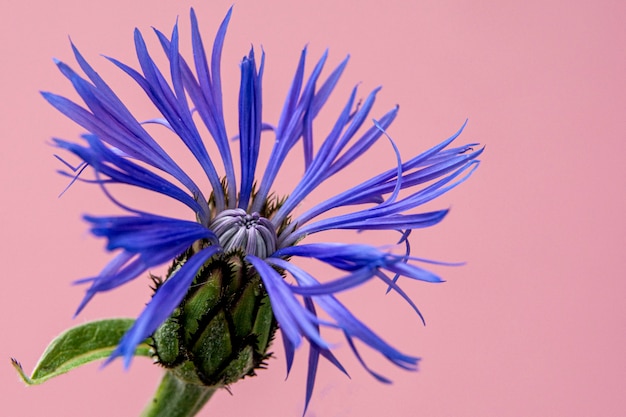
(222, 329)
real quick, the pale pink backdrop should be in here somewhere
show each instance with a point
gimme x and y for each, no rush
(534, 325)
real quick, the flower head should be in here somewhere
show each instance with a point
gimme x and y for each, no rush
(239, 216)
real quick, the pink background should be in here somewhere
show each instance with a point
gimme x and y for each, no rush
(534, 325)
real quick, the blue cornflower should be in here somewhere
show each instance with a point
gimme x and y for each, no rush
(241, 214)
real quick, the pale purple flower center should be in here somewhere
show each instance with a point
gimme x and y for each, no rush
(251, 233)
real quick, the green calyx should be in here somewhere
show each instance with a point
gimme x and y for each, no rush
(222, 329)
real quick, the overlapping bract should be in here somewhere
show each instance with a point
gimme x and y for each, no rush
(121, 151)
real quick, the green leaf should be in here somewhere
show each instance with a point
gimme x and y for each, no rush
(78, 346)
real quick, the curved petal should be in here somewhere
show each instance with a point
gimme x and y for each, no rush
(295, 320)
(352, 327)
(167, 297)
(146, 241)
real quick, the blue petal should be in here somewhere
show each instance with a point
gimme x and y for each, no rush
(174, 108)
(289, 350)
(111, 269)
(201, 94)
(112, 122)
(314, 174)
(146, 241)
(369, 221)
(137, 234)
(165, 300)
(122, 170)
(364, 143)
(350, 281)
(372, 189)
(314, 355)
(215, 61)
(358, 259)
(292, 96)
(376, 375)
(210, 85)
(295, 321)
(352, 327)
(290, 128)
(249, 125)
(355, 219)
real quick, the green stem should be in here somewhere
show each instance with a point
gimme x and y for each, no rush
(176, 398)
